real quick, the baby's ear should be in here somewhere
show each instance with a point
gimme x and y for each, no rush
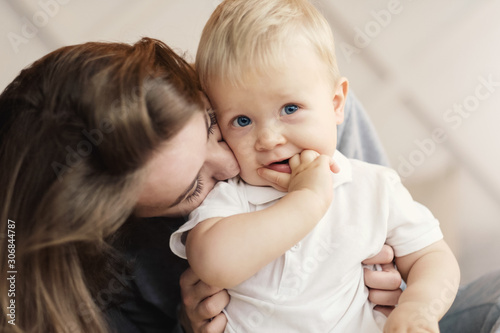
(339, 99)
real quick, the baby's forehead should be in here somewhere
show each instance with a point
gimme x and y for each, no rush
(261, 63)
(292, 72)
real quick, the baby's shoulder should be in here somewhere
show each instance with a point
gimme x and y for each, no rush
(373, 173)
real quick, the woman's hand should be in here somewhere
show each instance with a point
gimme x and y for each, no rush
(384, 286)
(202, 305)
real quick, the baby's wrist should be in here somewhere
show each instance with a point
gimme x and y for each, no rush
(310, 203)
(417, 313)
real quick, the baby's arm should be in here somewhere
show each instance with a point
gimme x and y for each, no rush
(224, 252)
(432, 276)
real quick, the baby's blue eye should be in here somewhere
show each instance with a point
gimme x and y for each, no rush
(289, 109)
(242, 121)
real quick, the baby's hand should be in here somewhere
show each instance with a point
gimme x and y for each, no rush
(311, 172)
(281, 180)
(411, 317)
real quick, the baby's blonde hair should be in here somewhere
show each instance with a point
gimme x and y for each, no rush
(253, 36)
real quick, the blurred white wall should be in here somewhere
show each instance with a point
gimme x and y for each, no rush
(426, 71)
(429, 76)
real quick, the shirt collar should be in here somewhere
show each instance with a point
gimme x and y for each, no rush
(259, 195)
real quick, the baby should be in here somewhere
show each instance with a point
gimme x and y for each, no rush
(291, 254)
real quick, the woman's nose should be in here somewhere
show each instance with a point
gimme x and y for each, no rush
(268, 138)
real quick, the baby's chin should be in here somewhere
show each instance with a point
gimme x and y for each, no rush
(256, 180)
(277, 188)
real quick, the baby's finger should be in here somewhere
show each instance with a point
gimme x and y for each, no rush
(280, 180)
(294, 162)
(334, 166)
(307, 156)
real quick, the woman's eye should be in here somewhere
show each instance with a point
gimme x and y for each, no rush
(242, 121)
(213, 121)
(196, 192)
(289, 109)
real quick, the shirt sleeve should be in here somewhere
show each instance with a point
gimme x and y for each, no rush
(356, 136)
(411, 226)
(224, 200)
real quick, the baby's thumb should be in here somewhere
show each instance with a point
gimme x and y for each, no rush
(280, 180)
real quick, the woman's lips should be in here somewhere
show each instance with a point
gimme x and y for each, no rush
(281, 166)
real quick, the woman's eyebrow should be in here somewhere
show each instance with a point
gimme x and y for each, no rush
(186, 192)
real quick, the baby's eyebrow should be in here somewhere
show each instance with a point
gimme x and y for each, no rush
(226, 109)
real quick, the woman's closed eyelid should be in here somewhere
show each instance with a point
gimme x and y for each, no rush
(212, 120)
(196, 192)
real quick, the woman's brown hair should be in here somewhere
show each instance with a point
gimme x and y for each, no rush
(76, 129)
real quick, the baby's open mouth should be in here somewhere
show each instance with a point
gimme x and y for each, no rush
(280, 166)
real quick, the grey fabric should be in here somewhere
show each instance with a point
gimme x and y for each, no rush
(357, 137)
(496, 328)
(476, 308)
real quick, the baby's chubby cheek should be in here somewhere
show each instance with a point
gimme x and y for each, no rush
(252, 177)
(249, 176)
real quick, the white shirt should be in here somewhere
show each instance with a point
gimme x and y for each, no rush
(318, 285)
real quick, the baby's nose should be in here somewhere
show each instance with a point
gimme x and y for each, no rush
(268, 138)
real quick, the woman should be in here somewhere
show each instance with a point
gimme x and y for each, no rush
(93, 136)
(79, 130)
